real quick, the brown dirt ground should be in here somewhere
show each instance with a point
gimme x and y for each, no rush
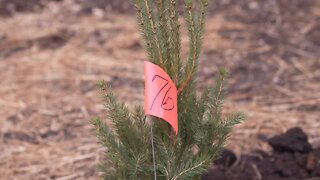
(52, 57)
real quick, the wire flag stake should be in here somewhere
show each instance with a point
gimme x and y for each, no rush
(153, 154)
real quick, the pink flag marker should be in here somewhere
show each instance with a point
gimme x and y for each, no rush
(160, 95)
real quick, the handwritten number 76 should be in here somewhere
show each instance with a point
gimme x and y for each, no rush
(167, 102)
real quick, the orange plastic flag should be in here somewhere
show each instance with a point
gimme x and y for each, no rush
(160, 95)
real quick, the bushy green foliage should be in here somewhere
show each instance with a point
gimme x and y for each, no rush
(203, 129)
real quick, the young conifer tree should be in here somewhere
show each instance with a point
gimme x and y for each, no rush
(202, 127)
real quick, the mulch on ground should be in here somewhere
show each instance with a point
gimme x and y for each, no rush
(292, 158)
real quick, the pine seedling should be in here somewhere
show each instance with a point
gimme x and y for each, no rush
(203, 129)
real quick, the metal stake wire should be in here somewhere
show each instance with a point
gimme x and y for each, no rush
(153, 154)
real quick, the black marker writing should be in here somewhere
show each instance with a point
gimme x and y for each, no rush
(165, 104)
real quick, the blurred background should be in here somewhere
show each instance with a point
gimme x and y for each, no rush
(52, 53)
